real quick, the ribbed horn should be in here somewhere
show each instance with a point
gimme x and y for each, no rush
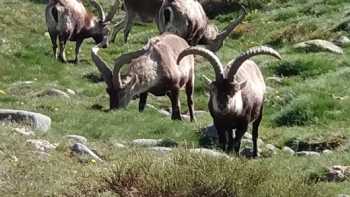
(216, 44)
(101, 13)
(122, 60)
(235, 64)
(112, 12)
(101, 65)
(210, 56)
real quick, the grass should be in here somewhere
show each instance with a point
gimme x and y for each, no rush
(312, 102)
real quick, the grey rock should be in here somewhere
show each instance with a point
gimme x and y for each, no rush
(308, 153)
(146, 142)
(327, 152)
(37, 121)
(76, 138)
(70, 91)
(161, 150)
(271, 148)
(319, 45)
(210, 131)
(337, 173)
(41, 145)
(246, 141)
(209, 152)
(288, 150)
(83, 150)
(342, 41)
(52, 92)
(24, 131)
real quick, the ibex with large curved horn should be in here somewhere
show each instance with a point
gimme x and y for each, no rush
(236, 95)
(152, 69)
(187, 19)
(69, 20)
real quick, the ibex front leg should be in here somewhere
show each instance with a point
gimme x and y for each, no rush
(142, 102)
(62, 55)
(77, 51)
(175, 104)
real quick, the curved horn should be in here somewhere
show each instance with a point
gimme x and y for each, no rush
(101, 13)
(236, 63)
(210, 56)
(122, 60)
(112, 12)
(101, 65)
(217, 43)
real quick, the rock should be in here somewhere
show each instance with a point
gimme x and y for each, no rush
(70, 91)
(327, 152)
(209, 152)
(82, 150)
(275, 79)
(271, 148)
(210, 131)
(288, 150)
(161, 150)
(76, 138)
(146, 142)
(24, 131)
(119, 145)
(308, 153)
(342, 41)
(37, 121)
(319, 45)
(41, 145)
(246, 141)
(52, 92)
(337, 173)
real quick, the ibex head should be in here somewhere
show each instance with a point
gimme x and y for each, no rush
(119, 88)
(100, 30)
(225, 89)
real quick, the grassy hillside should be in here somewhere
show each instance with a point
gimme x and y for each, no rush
(310, 104)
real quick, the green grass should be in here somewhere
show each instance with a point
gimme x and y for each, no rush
(312, 102)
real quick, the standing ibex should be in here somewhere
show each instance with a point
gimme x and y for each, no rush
(69, 20)
(236, 96)
(144, 10)
(151, 69)
(187, 19)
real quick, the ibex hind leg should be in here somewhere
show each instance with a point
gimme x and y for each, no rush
(143, 101)
(62, 40)
(53, 37)
(175, 104)
(255, 133)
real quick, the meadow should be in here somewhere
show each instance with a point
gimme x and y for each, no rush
(310, 104)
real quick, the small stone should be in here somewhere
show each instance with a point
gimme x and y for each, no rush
(272, 148)
(327, 152)
(76, 138)
(52, 92)
(119, 145)
(209, 152)
(70, 91)
(41, 145)
(83, 150)
(288, 150)
(24, 131)
(319, 45)
(342, 41)
(308, 153)
(146, 142)
(162, 150)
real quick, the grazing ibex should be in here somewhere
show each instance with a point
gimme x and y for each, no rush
(187, 19)
(144, 10)
(69, 20)
(236, 95)
(152, 69)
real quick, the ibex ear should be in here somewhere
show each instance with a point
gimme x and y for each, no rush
(242, 84)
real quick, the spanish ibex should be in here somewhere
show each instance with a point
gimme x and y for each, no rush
(152, 69)
(187, 19)
(236, 96)
(145, 11)
(69, 20)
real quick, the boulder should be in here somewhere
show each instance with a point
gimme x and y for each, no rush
(82, 150)
(308, 153)
(37, 121)
(319, 45)
(327, 152)
(52, 92)
(76, 138)
(41, 145)
(288, 150)
(154, 142)
(209, 152)
(159, 149)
